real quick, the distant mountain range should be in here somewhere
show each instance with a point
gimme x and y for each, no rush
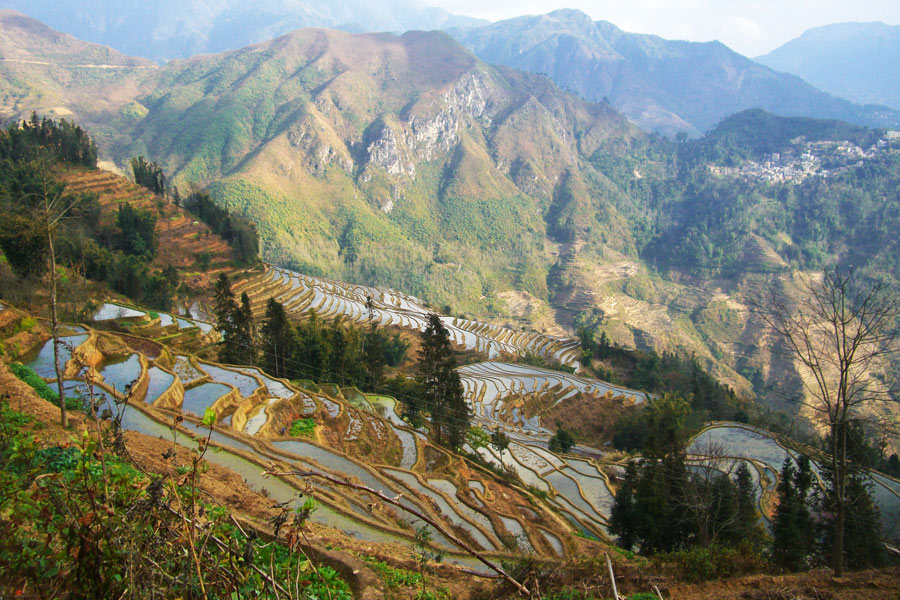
(662, 85)
(167, 29)
(857, 61)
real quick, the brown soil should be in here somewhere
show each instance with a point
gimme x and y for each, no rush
(181, 236)
(882, 584)
(588, 417)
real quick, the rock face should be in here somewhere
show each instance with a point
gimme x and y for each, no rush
(386, 153)
(316, 152)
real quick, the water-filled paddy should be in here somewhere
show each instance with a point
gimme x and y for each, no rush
(197, 399)
(42, 359)
(121, 372)
(159, 382)
(245, 384)
(110, 311)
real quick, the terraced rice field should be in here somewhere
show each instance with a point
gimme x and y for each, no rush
(763, 452)
(487, 384)
(111, 311)
(577, 486)
(301, 294)
(206, 386)
(41, 359)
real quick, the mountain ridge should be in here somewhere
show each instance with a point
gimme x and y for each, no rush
(169, 30)
(857, 61)
(662, 85)
(404, 161)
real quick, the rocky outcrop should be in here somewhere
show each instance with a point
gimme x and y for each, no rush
(386, 152)
(317, 153)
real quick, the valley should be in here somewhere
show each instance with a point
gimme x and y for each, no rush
(519, 309)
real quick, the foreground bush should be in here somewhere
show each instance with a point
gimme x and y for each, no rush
(79, 521)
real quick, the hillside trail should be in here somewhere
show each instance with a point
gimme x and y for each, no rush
(81, 66)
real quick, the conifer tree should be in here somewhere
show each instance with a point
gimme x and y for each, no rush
(235, 323)
(792, 526)
(622, 522)
(443, 391)
(747, 526)
(275, 339)
(243, 346)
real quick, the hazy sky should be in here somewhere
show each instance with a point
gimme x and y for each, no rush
(752, 27)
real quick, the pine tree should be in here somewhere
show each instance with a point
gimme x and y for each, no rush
(235, 323)
(747, 526)
(622, 520)
(275, 339)
(792, 526)
(375, 348)
(442, 388)
(243, 346)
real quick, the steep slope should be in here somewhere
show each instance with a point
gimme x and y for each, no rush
(43, 69)
(401, 160)
(662, 85)
(856, 61)
(167, 29)
(407, 162)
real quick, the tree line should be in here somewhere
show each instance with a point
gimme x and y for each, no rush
(61, 141)
(667, 504)
(119, 253)
(333, 351)
(240, 233)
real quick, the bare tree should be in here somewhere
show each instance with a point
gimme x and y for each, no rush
(704, 505)
(48, 205)
(843, 331)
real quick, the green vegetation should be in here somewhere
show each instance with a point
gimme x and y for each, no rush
(302, 428)
(62, 141)
(239, 232)
(394, 577)
(149, 174)
(118, 254)
(82, 519)
(442, 391)
(707, 399)
(27, 374)
(328, 351)
(562, 441)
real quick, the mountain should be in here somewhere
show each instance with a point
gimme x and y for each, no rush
(170, 29)
(41, 67)
(856, 61)
(405, 161)
(662, 85)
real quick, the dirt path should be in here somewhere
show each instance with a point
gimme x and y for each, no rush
(50, 64)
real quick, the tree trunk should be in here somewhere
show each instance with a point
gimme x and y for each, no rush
(54, 325)
(840, 505)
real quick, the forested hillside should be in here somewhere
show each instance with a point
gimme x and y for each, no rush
(407, 162)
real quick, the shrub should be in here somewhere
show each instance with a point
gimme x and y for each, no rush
(57, 535)
(303, 428)
(26, 324)
(715, 562)
(27, 374)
